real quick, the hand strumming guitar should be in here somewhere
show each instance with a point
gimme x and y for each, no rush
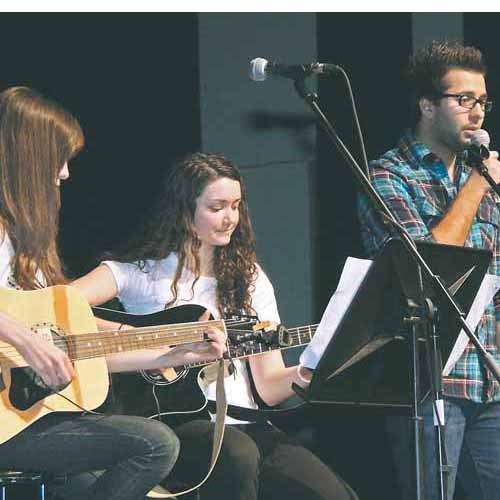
(49, 362)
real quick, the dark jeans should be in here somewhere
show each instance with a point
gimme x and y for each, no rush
(135, 453)
(472, 438)
(257, 461)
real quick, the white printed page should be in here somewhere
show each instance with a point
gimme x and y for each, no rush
(352, 276)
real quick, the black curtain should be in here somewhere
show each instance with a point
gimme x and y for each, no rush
(132, 81)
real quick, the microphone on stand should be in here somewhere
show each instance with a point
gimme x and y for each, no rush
(261, 68)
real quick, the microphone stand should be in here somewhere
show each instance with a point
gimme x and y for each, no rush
(423, 270)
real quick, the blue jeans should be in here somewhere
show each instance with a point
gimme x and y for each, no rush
(135, 453)
(472, 439)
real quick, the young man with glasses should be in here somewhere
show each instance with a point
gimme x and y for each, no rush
(438, 197)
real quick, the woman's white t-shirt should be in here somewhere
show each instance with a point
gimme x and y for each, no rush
(6, 254)
(7, 279)
(147, 290)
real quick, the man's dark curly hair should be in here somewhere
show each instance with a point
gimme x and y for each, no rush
(430, 64)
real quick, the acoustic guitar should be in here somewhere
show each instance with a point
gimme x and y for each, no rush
(62, 316)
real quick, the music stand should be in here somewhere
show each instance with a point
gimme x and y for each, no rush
(366, 359)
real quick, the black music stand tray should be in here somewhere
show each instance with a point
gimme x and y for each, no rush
(367, 362)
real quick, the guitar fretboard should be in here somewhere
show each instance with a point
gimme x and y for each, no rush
(92, 345)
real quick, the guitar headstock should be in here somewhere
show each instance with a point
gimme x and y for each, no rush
(256, 337)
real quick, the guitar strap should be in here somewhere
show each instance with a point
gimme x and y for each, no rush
(220, 421)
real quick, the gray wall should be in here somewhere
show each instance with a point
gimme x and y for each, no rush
(266, 129)
(427, 26)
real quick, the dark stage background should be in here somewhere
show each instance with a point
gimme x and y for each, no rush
(133, 82)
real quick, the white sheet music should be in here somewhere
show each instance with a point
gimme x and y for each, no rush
(489, 286)
(352, 276)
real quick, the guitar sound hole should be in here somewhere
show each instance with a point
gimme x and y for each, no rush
(51, 333)
(164, 377)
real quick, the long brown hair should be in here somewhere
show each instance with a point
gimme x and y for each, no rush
(37, 137)
(172, 230)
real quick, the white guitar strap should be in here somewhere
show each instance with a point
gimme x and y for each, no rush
(220, 421)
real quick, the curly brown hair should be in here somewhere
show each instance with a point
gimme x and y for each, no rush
(171, 229)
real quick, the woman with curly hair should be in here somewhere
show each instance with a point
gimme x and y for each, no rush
(200, 248)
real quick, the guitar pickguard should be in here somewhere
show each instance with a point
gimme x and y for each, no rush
(26, 386)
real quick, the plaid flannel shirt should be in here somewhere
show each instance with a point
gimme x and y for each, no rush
(414, 183)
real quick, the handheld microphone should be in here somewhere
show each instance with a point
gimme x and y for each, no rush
(480, 149)
(261, 68)
(480, 144)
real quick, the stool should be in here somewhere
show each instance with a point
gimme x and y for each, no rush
(22, 477)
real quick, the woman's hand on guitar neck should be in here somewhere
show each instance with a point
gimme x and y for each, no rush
(157, 359)
(49, 362)
(199, 352)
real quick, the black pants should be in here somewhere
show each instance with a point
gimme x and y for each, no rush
(257, 461)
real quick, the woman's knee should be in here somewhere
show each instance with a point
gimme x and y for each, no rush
(161, 443)
(165, 441)
(239, 453)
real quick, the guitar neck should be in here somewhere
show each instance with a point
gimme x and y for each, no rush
(98, 344)
(90, 345)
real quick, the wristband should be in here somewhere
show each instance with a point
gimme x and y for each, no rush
(301, 377)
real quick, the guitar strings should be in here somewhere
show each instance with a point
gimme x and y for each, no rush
(294, 333)
(181, 333)
(131, 337)
(180, 339)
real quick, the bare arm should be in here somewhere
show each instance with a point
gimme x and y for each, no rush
(455, 225)
(273, 380)
(98, 286)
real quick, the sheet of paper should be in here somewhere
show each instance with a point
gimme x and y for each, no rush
(487, 290)
(352, 276)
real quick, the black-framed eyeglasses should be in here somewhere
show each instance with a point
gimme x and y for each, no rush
(469, 101)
